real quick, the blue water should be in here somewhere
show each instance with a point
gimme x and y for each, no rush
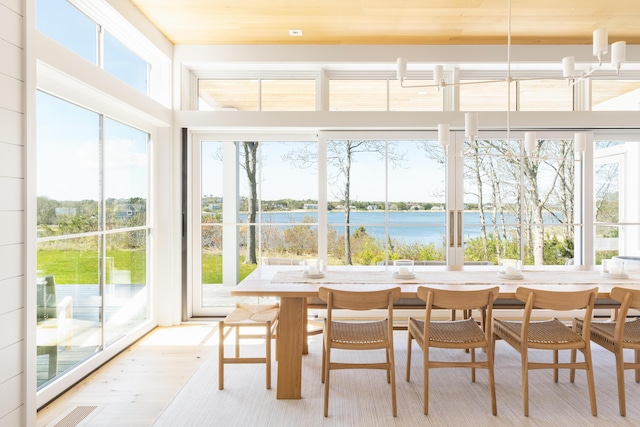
(417, 226)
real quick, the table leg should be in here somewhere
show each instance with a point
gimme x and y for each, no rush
(290, 346)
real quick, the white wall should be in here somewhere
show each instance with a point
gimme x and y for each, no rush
(12, 217)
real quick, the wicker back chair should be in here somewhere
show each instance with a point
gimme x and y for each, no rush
(550, 334)
(616, 336)
(359, 335)
(458, 334)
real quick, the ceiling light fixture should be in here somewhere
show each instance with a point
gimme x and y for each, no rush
(600, 49)
(295, 33)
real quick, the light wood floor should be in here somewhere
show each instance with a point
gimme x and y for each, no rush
(170, 379)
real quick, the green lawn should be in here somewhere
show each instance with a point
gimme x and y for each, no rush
(75, 266)
(81, 266)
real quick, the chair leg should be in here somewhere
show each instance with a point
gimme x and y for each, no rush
(590, 380)
(525, 383)
(555, 362)
(492, 382)
(324, 359)
(473, 359)
(620, 374)
(327, 370)
(268, 354)
(425, 379)
(221, 355)
(409, 338)
(637, 360)
(391, 372)
(572, 371)
(389, 357)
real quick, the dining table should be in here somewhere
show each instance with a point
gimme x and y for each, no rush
(294, 287)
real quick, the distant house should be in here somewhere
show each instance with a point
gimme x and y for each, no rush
(310, 206)
(372, 207)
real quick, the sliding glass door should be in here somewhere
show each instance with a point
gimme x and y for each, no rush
(369, 198)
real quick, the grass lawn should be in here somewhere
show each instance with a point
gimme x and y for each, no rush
(81, 266)
(71, 266)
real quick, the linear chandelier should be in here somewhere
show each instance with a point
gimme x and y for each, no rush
(569, 73)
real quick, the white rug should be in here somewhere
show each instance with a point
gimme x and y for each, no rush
(363, 398)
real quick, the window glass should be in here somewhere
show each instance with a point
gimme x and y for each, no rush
(232, 95)
(288, 95)
(125, 175)
(124, 64)
(415, 98)
(68, 26)
(516, 202)
(545, 95)
(89, 281)
(283, 222)
(68, 174)
(615, 95)
(358, 95)
(376, 212)
(211, 200)
(485, 96)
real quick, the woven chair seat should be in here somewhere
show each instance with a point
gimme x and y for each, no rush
(541, 334)
(360, 332)
(450, 332)
(602, 333)
(252, 314)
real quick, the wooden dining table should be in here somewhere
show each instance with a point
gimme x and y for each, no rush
(292, 287)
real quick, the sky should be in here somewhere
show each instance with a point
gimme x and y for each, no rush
(420, 179)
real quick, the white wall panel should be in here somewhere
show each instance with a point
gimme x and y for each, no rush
(11, 229)
(10, 336)
(15, 5)
(11, 160)
(11, 26)
(11, 266)
(12, 296)
(11, 63)
(11, 127)
(11, 392)
(11, 365)
(12, 193)
(11, 90)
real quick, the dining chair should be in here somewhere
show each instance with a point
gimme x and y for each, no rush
(618, 335)
(358, 334)
(551, 334)
(464, 334)
(248, 316)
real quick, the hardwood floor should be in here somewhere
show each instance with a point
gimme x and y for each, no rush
(133, 388)
(169, 378)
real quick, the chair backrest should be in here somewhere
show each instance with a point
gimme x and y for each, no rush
(558, 300)
(46, 299)
(359, 300)
(628, 298)
(458, 299)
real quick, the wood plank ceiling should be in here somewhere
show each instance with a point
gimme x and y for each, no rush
(391, 22)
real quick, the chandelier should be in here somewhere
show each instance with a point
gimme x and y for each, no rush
(569, 73)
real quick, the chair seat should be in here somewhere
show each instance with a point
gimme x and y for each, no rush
(450, 333)
(252, 314)
(603, 333)
(543, 334)
(365, 333)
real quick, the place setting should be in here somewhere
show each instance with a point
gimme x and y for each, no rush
(510, 269)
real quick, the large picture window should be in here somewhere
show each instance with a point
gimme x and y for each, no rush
(92, 198)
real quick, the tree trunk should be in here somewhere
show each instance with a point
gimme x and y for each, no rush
(251, 160)
(347, 207)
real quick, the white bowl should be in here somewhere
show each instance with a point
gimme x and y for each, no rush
(631, 263)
